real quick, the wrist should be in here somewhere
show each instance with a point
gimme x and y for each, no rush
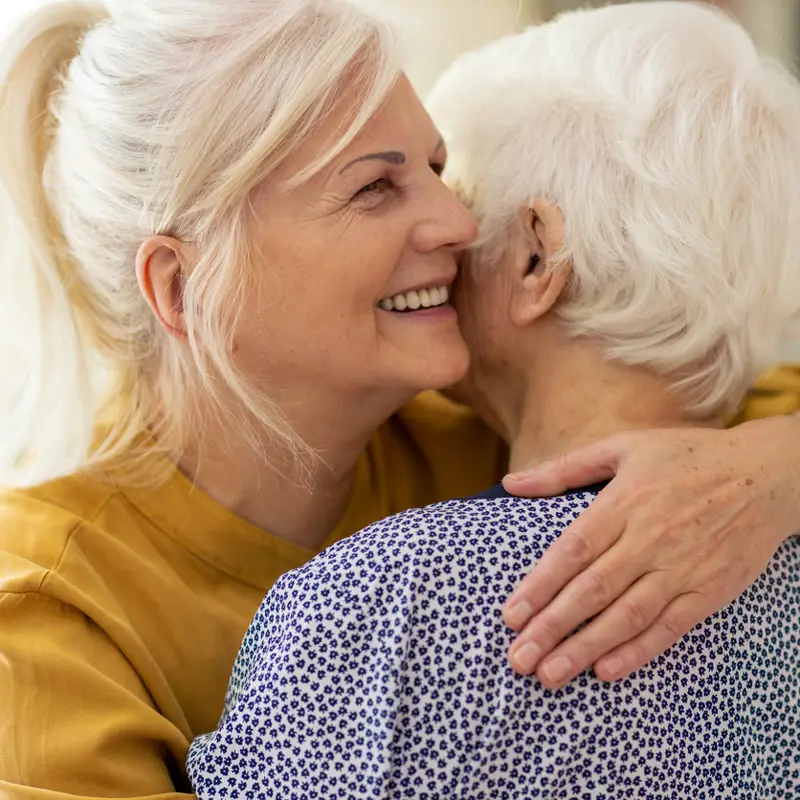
(772, 444)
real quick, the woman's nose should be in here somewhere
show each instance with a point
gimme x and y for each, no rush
(450, 223)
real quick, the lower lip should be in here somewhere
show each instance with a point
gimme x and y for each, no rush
(435, 314)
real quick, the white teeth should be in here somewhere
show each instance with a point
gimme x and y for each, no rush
(423, 298)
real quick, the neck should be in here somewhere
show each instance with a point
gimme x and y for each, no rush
(572, 396)
(264, 484)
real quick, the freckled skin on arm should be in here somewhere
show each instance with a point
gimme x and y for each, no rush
(689, 520)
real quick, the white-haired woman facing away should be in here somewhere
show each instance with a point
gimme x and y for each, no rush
(635, 171)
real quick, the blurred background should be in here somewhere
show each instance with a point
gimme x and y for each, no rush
(437, 31)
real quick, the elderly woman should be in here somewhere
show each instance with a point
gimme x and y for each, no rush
(226, 259)
(637, 266)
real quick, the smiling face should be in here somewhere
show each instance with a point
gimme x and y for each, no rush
(351, 296)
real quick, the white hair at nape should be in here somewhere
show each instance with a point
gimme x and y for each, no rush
(161, 118)
(673, 149)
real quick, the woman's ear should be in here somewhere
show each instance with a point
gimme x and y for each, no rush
(543, 274)
(160, 271)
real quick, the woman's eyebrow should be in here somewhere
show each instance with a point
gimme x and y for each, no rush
(390, 156)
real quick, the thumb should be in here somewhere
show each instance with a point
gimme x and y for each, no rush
(572, 470)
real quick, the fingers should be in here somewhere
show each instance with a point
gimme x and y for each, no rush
(581, 544)
(582, 467)
(674, 622)
(585, 596)
(634, 612)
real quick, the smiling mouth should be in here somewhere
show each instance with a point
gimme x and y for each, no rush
(432, 297)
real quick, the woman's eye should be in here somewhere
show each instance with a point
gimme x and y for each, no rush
(370, 188)
(438, 169)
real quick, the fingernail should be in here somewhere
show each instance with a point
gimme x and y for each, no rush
(557, 670)
(527, 656)
(517, 614)
(613, 666)
(513, 477)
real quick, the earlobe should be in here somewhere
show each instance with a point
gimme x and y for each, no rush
(160, 273)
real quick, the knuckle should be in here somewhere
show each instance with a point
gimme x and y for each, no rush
(597, 589)
(672, 627)
(635, 616)
(546, 630)
(576, 548)
(663, 533)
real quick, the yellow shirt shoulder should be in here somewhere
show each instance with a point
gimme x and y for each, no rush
(122, 610)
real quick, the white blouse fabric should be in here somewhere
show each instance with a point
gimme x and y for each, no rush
(379, 670)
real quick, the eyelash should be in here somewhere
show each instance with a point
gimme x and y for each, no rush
(371, 188)
(381, 184)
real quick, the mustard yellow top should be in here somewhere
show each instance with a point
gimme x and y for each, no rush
(121, 610)
(776, 392)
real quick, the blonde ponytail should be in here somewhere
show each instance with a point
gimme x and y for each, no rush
(47, 400)
(161, 118)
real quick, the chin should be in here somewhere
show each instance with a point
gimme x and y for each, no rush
(446, 370)
(434, 372)
(425, 359)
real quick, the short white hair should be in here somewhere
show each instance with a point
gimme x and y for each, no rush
(161, 118)
(673, 149)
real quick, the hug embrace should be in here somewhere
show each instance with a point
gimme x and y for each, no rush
(274, 334)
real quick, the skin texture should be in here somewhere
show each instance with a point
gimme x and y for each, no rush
(689, 520)
(375, 222)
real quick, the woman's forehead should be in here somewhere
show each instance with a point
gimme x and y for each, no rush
(400, 125)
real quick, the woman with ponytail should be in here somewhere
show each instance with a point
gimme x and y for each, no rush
(225, 261)
(205, 210)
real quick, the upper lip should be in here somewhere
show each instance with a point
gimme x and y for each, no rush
(434, 283)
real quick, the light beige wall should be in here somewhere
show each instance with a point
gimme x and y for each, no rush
(437, 31)
(772, 23)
